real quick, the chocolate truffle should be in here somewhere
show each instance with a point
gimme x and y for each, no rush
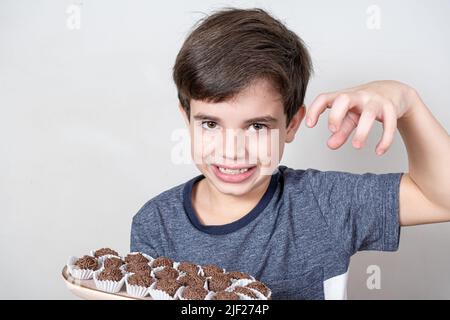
(87, 262)
(260, 287)
(110, 274)
(225, 295)
(167, 272)
(136, 258)
(141, 267)
(194, 293)
(188, 267)
(191, 280)
(104, 251)
(211, 269)
(113, 263)
(162, 262)
(140, 279)
(170, 286)
(237, 275)
(245, 291)
(219, 282)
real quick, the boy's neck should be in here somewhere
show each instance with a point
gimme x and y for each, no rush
(215, 208)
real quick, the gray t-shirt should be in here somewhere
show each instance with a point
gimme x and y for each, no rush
(298, 239)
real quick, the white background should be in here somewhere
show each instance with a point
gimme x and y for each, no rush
(87, 116)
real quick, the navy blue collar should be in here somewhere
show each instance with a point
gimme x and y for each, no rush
(233, 226)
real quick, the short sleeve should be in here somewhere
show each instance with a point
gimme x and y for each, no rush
(361, 210)
(141, 239)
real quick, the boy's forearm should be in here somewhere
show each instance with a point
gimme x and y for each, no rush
(428, 147)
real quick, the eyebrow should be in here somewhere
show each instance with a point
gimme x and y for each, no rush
(265, 118)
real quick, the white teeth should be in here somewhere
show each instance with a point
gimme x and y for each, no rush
(232, 171)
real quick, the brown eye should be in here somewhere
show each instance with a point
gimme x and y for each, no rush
(258, 126)
(209, 124)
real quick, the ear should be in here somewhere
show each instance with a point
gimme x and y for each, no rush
(183, 114)
(295, 124)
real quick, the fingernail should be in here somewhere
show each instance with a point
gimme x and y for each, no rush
(379, 152)
(309, 122)
(332, 128)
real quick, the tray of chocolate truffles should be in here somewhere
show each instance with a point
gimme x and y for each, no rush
(104, 274)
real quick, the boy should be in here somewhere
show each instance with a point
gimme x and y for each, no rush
(243, 71)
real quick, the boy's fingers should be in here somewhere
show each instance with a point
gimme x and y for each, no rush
(339, 109)
(318, 106)
(365, 124)
(340, 137)
(389, 128)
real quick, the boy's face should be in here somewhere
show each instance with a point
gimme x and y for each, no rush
(233, 134)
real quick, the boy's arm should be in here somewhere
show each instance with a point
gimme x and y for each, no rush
(425, 189)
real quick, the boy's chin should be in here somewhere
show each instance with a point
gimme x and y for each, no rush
(234, 190)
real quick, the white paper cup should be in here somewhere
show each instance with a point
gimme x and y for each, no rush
(245, 282)
(108, 285)
(161, 295)
(81, 274)
(241, 282)
(134, 290)
(202, 273)
(210, 295)
(199, 269)
(268, 297)
(259, 295)
(181, 290)
(251, 279)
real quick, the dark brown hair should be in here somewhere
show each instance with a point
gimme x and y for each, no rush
(231, 48)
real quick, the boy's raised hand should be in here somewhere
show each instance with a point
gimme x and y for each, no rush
(359, 107)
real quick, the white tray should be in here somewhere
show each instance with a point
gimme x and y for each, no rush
(86, 289)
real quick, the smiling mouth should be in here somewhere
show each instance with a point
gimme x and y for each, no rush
(233, 171)
(235, 175)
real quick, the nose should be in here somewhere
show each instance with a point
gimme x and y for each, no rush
(234, 144)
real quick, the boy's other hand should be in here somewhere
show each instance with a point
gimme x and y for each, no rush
(358, 107)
